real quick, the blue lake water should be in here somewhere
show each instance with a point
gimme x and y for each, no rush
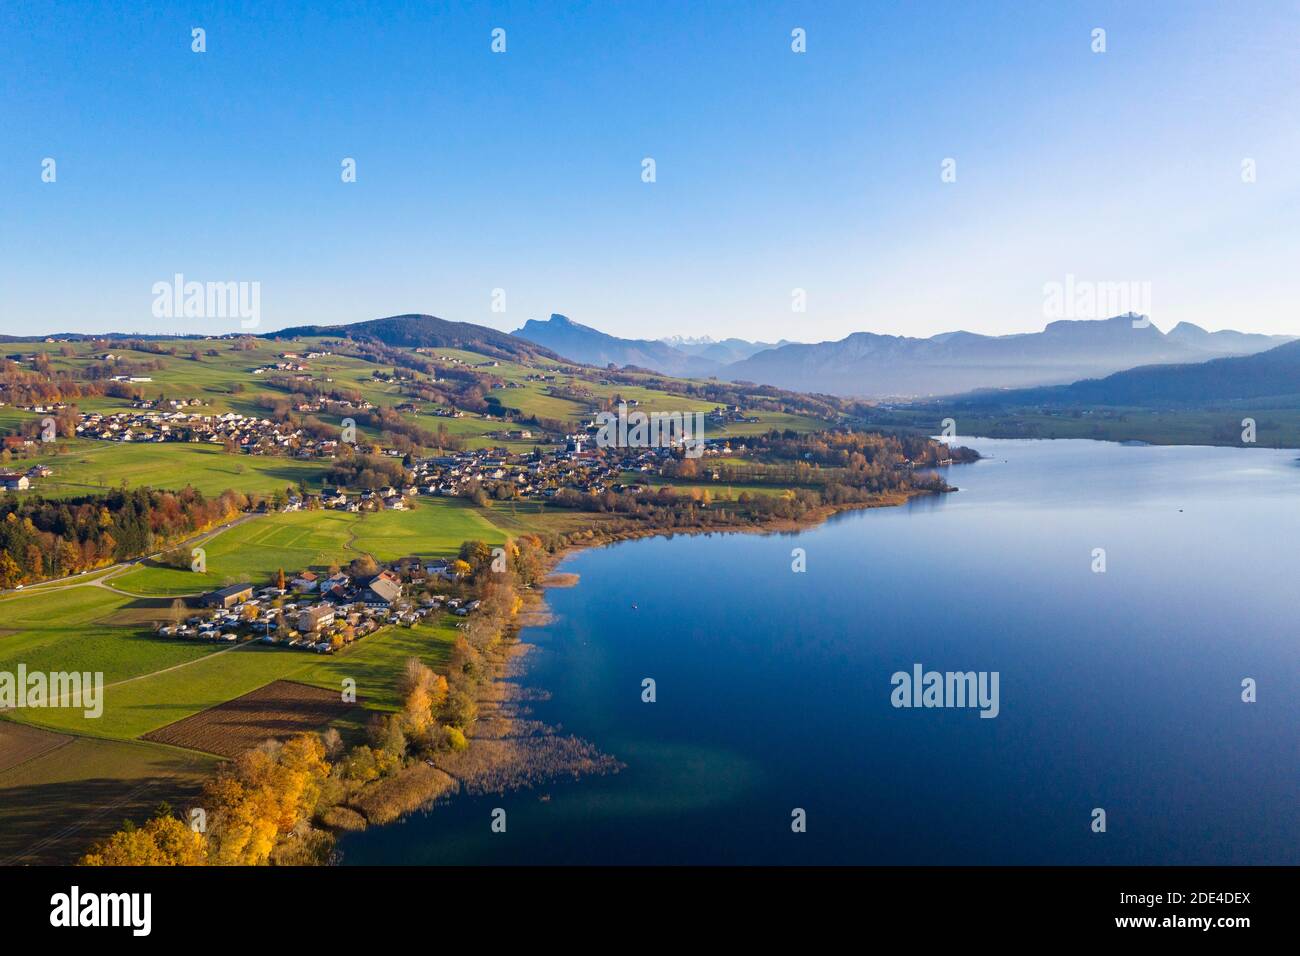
(1119, 690)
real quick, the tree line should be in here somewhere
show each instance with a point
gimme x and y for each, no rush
(42, 538)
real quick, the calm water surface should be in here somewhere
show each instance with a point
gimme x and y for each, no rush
(1119, 690)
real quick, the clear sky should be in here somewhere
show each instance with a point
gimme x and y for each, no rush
(775, 170)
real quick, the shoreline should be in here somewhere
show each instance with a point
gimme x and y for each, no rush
(508, 750)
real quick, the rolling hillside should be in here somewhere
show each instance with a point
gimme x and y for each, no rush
(424, 331)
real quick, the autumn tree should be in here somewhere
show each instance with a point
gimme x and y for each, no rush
(163, 841)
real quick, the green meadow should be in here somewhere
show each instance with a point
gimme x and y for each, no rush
(294, 541)
(85, 628)
(161, 698)
(254, 551)
(85, 466)
(436, 527)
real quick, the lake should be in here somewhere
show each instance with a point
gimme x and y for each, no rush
(1119, 690)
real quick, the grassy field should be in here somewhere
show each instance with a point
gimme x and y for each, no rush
(254, 551)
(436, 527)
(257, 549)
(719, 490)
(223, 382)
(83, 629)
(151, 702)
(85, 466)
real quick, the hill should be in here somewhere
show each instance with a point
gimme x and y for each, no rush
(424, 331)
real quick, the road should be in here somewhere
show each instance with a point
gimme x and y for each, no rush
(97, 576)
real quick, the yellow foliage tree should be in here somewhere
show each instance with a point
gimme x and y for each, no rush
(163, 841)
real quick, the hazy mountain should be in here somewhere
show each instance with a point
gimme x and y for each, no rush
(585, 344)
(1226, 340)
(724, 351)
(427, 331)
(1274, 374)
(869, 365)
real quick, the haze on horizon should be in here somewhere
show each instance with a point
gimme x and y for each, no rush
(775, 170)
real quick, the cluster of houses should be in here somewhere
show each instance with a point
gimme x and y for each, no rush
(172, 403)
(382, 499)
(536, 474)
(729, 414)
(288, 366)
(541, 473)
(317, 612)
(22, 481)
(254, 435)
(337, 405)
(294, 356)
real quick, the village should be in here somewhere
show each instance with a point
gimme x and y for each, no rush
(540, 473)
(245, 432)
(324, 612)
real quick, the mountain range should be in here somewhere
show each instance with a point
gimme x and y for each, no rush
(1273, 376)
(593, 347)
(871, 365)
(1110, 361)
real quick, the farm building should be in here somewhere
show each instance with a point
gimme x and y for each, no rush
(228, 597)
(381, 591)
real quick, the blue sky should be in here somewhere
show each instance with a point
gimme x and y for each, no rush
(775, 170)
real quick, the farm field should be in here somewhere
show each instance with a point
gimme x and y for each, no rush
(20, 743)
(766, 422)
(73, 629)
(162, 697)
(436, 527)
(54, 806)
(87, 466)
(278, 711)
(224, 382)
(151, 702)
(256, 549)
(719, 490)
(376, 662)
